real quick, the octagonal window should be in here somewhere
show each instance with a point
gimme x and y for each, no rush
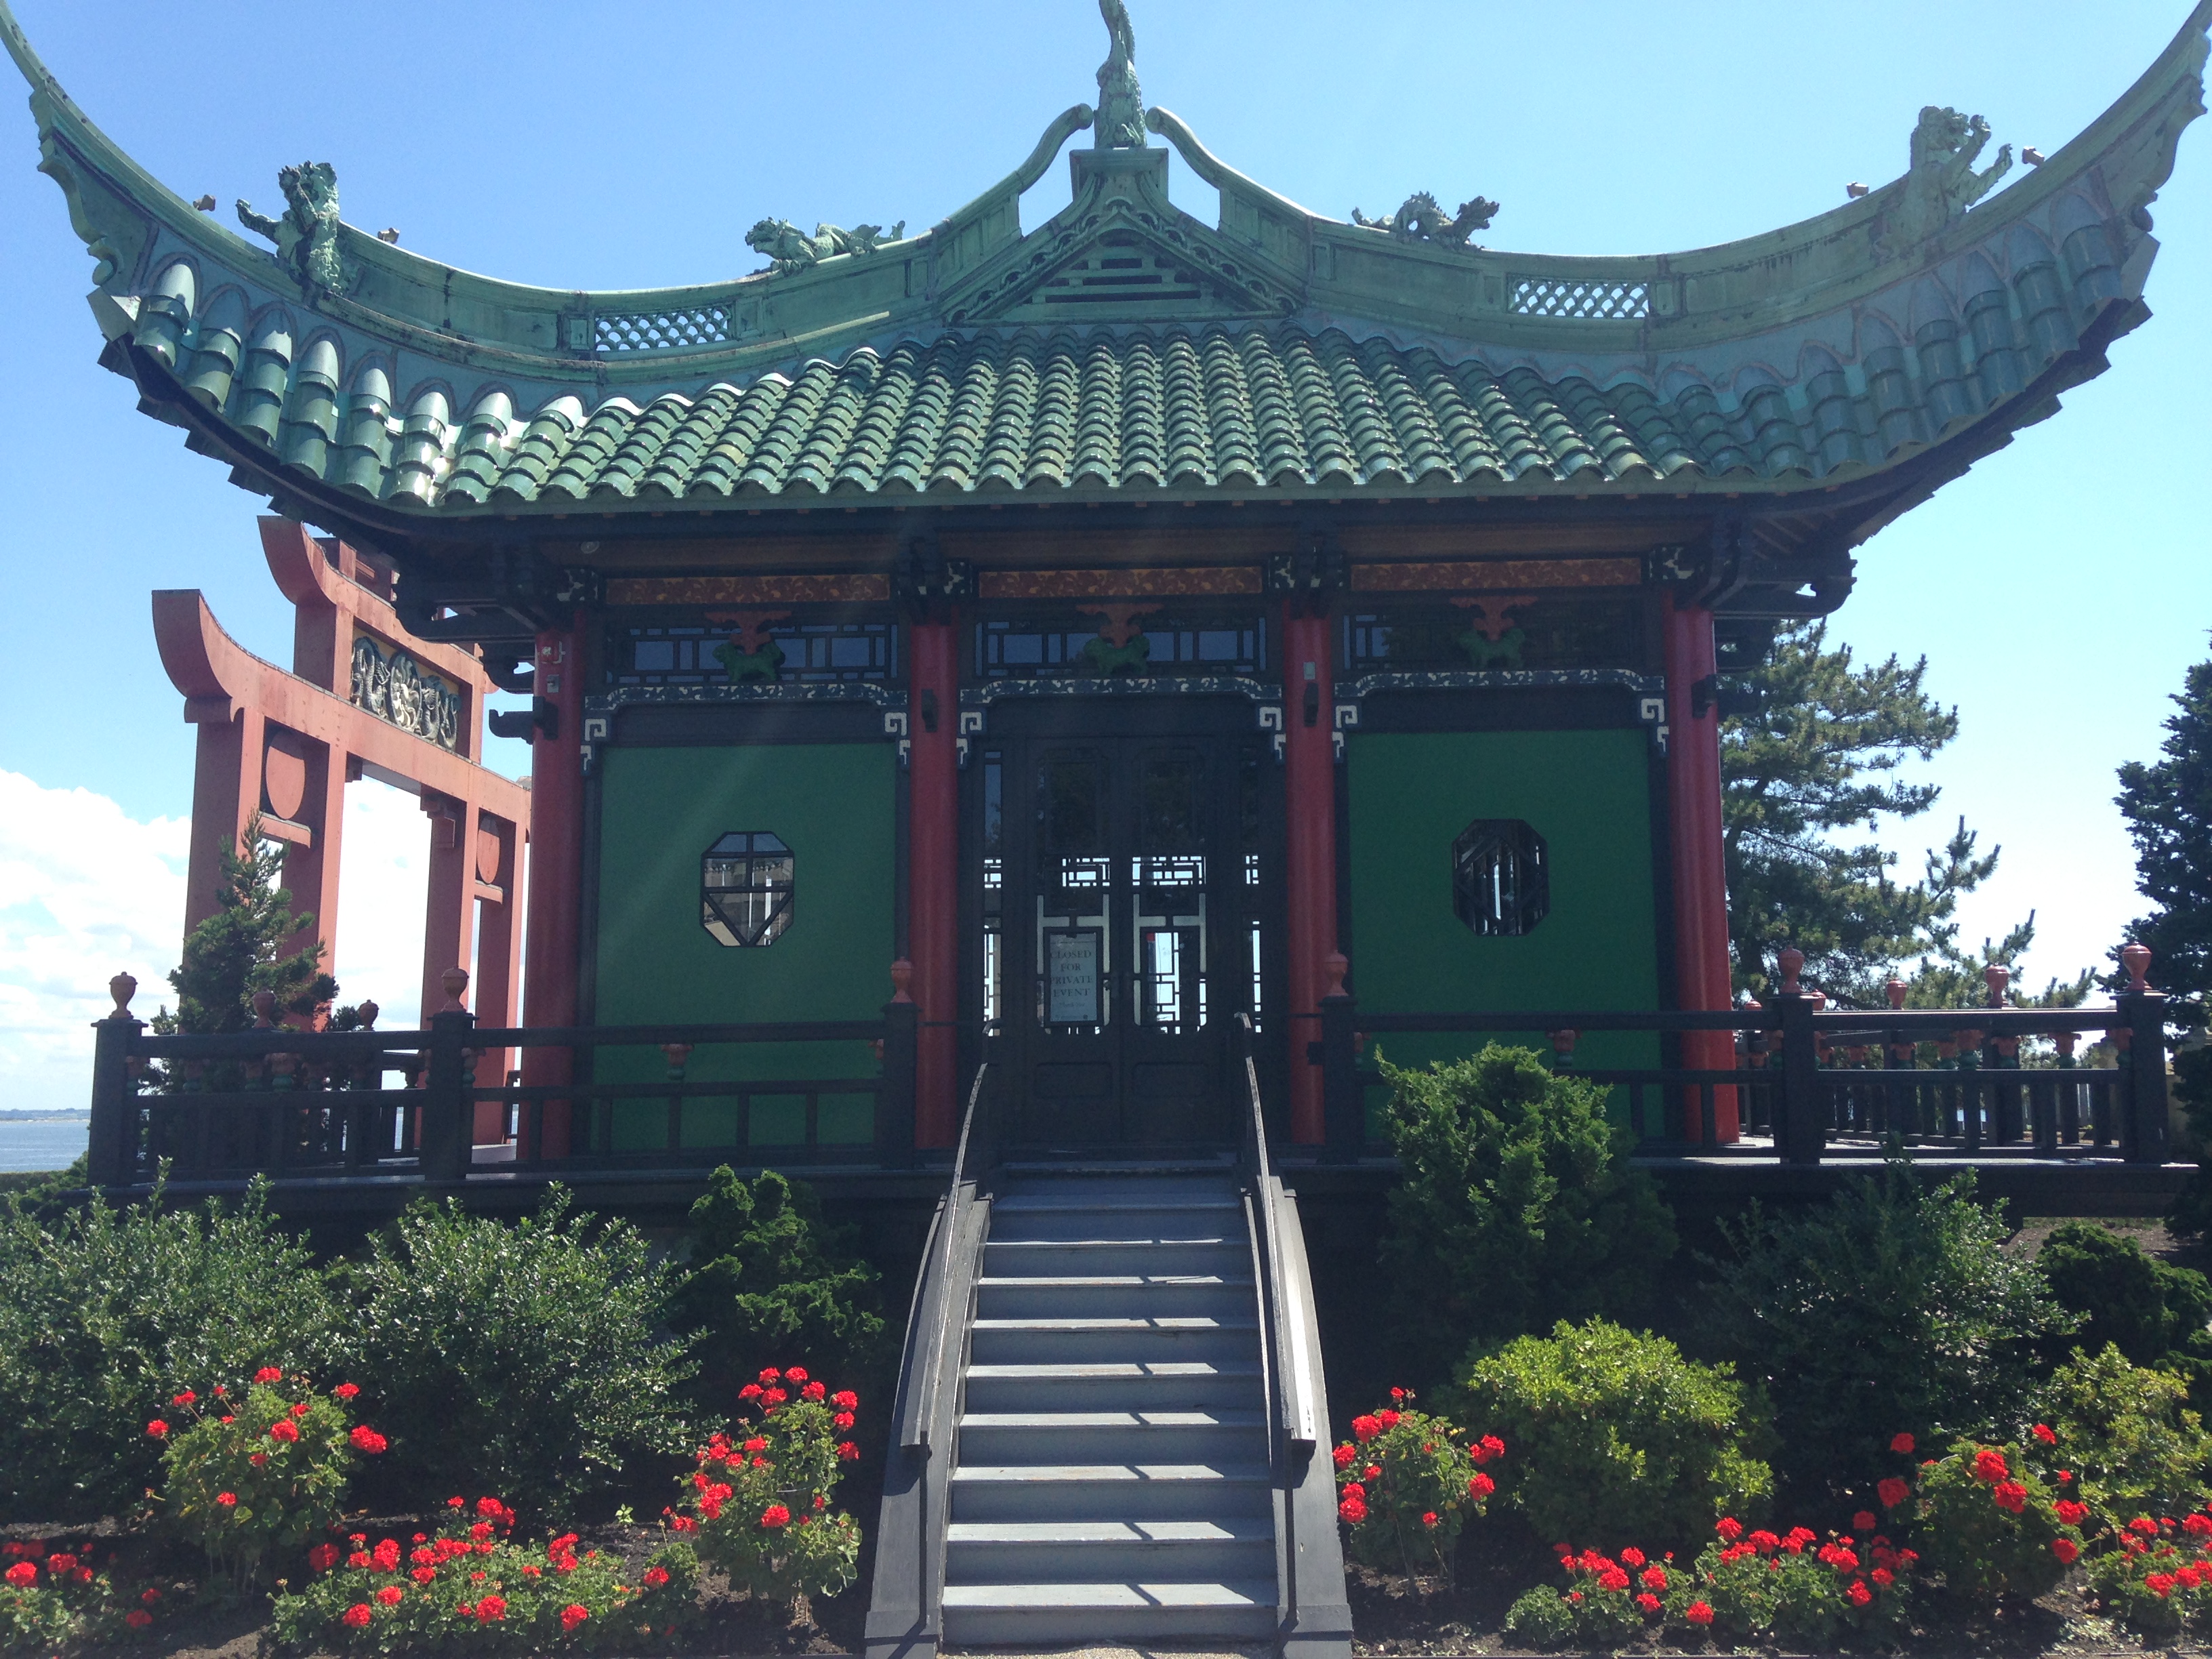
(1501, 878)
(746, 889)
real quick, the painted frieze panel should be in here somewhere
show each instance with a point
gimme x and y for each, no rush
(391, 685)
(1111, 639)
(753, 647)
(1493, 631)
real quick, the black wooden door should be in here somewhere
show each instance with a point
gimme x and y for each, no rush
(1121, 926)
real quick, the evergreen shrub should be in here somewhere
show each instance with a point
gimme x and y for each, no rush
(1516, 1207)
(1617, 1437)
(523, 1358)
(2156, 1312)
(108, 1311)
(1887, 1307)
(771, 1281)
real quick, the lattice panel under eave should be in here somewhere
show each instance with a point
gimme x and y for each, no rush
(1546, 296)
(657, 331)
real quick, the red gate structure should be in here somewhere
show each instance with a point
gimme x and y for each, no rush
(364, 698)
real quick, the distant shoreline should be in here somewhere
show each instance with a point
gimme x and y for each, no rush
(45, 1117)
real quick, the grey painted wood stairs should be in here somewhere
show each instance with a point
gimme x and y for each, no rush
(1111, 1478)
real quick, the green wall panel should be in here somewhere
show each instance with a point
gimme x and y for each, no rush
(1588, 793)
(660, 810)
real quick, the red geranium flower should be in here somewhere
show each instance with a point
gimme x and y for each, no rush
(845, 1401)
(1864, 1522)
(1387, 1418)
(322, 1556)
(1859, 1593)
(2042, 1431)
(776, 1515)
(1647, 1603)
(1655, 1577)
(346, 1390)
(1901, 1444)
(1729, 1528)
(1892, 1492)
(1344, 1454)
(1480, 1485)
(2066, 1550)
(850, 1452)
(572, 1615)
(1989, 1465)
(22, 1573)
(2071, 1514)
(228, 1499)
(814, 1391)
(357, 1616)
(184, 1398)
(390, 1595)
(1365, 1429)
(491, 1608)
(366, 1439)
(1352, 1510)
(268, 1374)
(1631, 1557)
(138, 1618)
(157, 1428)
(655, 1577)
(1429, 1519)
(284, 1431)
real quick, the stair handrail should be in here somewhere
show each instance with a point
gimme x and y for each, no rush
(1288, 1377)
(975, 1152)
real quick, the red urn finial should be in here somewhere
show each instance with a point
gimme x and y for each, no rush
(1792, 961)
(902, 981)
(368, 1010)
(1997, 978)
(2066, 1040)
(263, 1000)
(1896, 990)
(122, 987)
(456, 981)
(2135, 958)
(1563, 1043)
(1335, 965)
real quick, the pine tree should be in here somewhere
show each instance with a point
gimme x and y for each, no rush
(239, 950)
(1814, 760)
(2168, 806)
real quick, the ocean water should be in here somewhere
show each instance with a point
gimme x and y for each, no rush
(40, 1145)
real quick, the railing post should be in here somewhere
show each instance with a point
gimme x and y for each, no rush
(894, 1106)
(1799, 1134)
(108, 1158)
(2142, 1117)
(1344, 1112)
(448, 1114)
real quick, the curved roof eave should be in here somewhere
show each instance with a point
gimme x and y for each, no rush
(1811, 355)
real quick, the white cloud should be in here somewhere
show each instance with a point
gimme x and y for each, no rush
(88, 891)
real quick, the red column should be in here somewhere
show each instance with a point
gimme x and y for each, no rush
(226, 794)
(1309, 849)
(933, 874)
(312, 872)
(450, 908)
(499, 956)
(556, 855)
(1693, 809)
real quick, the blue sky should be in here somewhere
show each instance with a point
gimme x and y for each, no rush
(2059, 591)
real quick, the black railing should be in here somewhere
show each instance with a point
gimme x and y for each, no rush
(1807, 1084)
(319, 1104)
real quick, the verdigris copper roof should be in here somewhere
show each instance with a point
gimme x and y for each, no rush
(1124, 349)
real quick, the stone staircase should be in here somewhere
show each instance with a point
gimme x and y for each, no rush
(1110, 1477)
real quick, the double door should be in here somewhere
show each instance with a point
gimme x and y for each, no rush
(1121, 923)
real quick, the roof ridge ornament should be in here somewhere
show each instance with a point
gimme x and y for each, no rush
(789, 248)
(307, 236)
(1121, 124)
(1422, 220)
(1941, 182)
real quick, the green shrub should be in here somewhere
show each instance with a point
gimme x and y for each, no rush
(1406, 1486)
(1615, 1436)
(1516, 1208)
(522, 1358)
(470, 1591)
(1887, 1308)
(759, 1501)
(107, 1312)
(2156, 1312)
(770, 1282)
(260, 1470)
(2132, 1444)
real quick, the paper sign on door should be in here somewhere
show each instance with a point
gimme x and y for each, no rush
(1072, 979)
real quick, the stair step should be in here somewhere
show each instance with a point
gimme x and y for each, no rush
(1126, 1295)
(1140, 1219)
(1108, 1552)
(989, 1614)
(1162, 1385)
(1013, 1439)
(1009, 1258)
(1002, 1341)
(1110, 1491)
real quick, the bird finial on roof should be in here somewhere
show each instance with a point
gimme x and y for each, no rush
(1121, 102)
